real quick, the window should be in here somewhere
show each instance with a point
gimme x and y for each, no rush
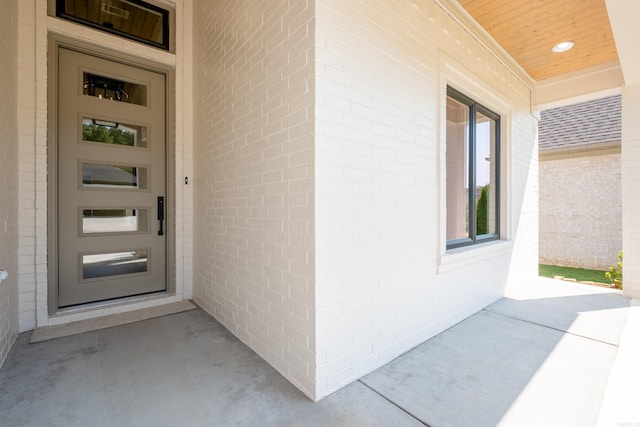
(473, 172)
(134, 19)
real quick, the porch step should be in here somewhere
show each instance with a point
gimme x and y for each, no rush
(45, 333)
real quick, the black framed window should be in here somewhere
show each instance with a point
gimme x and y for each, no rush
(473, 172)
(134, 19)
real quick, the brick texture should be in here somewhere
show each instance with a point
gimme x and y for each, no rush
(318, 176)
(254, 188)
(381, 73)
(580, 184)
(581, 209)
(32, 133)
(8, 176)
(363, 185)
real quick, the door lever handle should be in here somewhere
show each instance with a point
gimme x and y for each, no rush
(161, 215)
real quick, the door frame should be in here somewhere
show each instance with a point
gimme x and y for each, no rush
(55, 42)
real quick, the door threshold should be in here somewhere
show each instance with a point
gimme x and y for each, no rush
(45, 333)
(97, 305)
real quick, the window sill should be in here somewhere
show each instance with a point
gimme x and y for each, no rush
(460, 257)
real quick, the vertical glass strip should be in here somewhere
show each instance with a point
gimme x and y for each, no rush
(485, 171)
(457, 170)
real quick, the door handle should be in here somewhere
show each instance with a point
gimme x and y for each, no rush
(161, 215)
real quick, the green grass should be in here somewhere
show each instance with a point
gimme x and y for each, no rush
(580, 274)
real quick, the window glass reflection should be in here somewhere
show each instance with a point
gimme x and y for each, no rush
(114, 264)
(457, 170)
(137, 20)
(114, 220)
(485, 175)
(113, 89)
(106, 132)
(113, 176)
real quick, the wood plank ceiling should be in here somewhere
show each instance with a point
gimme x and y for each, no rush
(528, 29)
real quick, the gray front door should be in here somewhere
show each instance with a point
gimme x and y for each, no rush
(111, 184)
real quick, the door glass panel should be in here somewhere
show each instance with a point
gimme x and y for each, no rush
(114, 264)
(114, 220)
(106, 132)
(96, 175)
(114, 89)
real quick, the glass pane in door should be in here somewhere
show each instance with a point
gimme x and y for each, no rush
(114, 264)
(95, 221)
(95, 175)
(107, 132)
(114, 89)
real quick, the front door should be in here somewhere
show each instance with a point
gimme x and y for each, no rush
(111, 184)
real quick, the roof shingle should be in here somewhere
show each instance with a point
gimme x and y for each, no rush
(586, 123)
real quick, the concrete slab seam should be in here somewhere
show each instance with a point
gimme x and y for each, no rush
(393, 403)
(550, 327)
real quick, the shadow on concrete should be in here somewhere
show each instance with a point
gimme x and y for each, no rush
(537, 361)
(519, 362)
(184, 369)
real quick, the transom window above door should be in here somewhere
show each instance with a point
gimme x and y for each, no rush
(134, 19)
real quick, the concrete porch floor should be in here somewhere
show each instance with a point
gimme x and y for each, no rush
(539, 356)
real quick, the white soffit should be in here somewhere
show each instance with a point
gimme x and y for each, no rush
(580, 86)
(624, 15)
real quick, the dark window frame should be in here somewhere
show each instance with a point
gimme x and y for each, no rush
(474, 108)
(165, 45)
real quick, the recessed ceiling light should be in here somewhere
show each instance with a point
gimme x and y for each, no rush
(563, 46)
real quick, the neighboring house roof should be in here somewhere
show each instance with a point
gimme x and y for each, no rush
(586, 123)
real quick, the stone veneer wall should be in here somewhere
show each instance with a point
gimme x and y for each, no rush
(581, 209)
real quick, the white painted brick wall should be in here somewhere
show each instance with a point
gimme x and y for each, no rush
(581, 209)
(383, 280)
(30, 159)
(254, 177)
(523, 194)
(631, 201)
(384, 283)
(8, 176)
